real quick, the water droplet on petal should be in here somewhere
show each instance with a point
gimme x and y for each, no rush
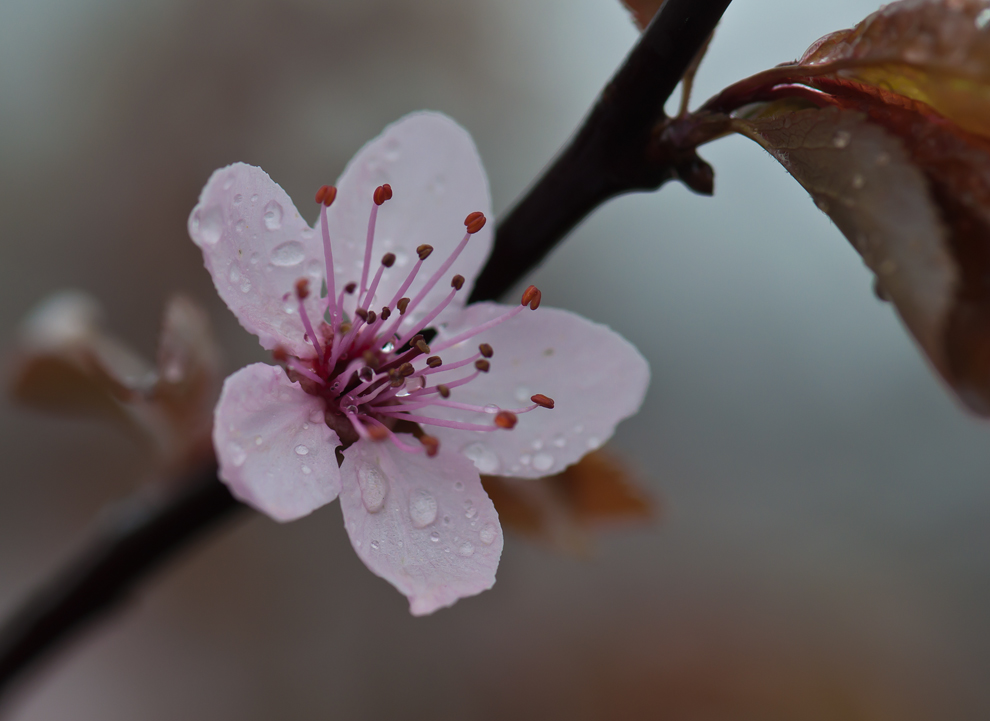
(484, 457)
(374, 545)
(492, 408)
(288, 254)
(246, 286)
(422, 508)
(446, 520)
(234, 274)
(306, 470)
(537, 445)
(466, 549)
(238, 199)
(254, 198)
(374, 488)
(594, 444)
(469, 510)
(488, 533)
(542, 462)
(258, 440)
(559, 441)
(208, 225)
(841, 138)
(236, 453)
(273, 215)
(525, 459)
(301, 450)
(435, 537)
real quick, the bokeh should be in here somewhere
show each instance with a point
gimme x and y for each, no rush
(823, 551)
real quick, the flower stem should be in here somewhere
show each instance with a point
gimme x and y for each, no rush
(611, 154)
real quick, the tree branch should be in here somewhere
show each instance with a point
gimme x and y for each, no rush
(611, 154)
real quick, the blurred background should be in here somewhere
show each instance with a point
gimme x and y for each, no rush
(823, 551)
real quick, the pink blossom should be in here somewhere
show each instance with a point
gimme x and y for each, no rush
(344, 305)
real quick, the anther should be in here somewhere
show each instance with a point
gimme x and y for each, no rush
(434, 361)
(386, 312)
(402, 305)
(443, 390)
(406, 370)
(531, 297)
(421, 346)
(486, 350)
(326, 195)
(372, 317)
(482, 365)
(475, 222)
(370, 360)
(457, 282)
(352, 286)
(302, 288)
(542, 400)
(345, 328)
(395, 380)
(431, 444)
(506, 419)
(388, 259)
(382, 193)
(377, 433)
(361, 313)
(423, 251)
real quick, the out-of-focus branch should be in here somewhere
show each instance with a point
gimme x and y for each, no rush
(612, 153)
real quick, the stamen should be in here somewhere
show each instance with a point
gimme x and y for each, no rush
(302, 292)
(443, 390)
(506, 419)
(423, 251)
(457, 282)
(530, 297)
(328, 194)
(402, 305)
(382, 193)
(475, 222)
(434, 361)
(482, 365)
(350, 287)
(386, 312)
(542, 400)
(431, 444)
(427, 421)
(421, 346)
(395, 439)
(429, 318)
(297, 365)
(486, 350)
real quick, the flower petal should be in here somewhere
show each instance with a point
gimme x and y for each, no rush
(423, 524)
(275, 450)
(437, 180)
(256, 246)
(595, 376)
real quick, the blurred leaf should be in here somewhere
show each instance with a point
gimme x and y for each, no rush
(933, 51)
(642, 10)
(564, 510)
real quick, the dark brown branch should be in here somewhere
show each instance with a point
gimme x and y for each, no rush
(610, 155)
(612, 152)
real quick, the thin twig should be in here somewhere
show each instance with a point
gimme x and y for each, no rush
(610, 155)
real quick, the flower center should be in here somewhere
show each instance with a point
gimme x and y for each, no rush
(374, 369)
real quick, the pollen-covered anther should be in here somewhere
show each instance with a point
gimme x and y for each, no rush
(506, 419)
(402, 305)
(457, 282)
(406, 370)
(388, 260)
(421, 346)
(475, 222)
(486, 350)
(482, 365)
(542, 400)
(370, 360)
(326, 195)
(361, 313)
(377, 433)
(532, 297)
(423, 251)
(394, 379)
(352, 286)
(302, 288)
(372, 317)
(434, 361)
(431, 444)
(443, 390)
(386, 312)
(382, 193)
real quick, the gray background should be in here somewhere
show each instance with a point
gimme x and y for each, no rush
(823, 552)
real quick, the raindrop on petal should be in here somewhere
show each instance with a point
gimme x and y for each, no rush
(488, 533)
(374, 488)
(237, 453)
(288, 254)
(301, 450)
(422, 508)
(273, 215)
(484, 457)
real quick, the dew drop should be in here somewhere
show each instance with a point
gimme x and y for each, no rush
(422, 508)
(488, 533)
(246, 286)
(542, 461)
(305, 426)
(525, 459)
(466, 549)
(594, 444)
(374, 487)
(537, 445)
(306, 470)
(255, 258)
(841, 138)
(388, 347)
(273, 215)
(254, 198)
(492, 408)
(484, 457)
(374, 545)
(469, 510)
(258, 440)
(559, 441)
(237, 454)
(435, 537)
(208, 225)
(446, 520)
(240, 226)
(234, 274)
(301, 450)
(238, 199)
(288, 254)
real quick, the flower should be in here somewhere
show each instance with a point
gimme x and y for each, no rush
(373, 407)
